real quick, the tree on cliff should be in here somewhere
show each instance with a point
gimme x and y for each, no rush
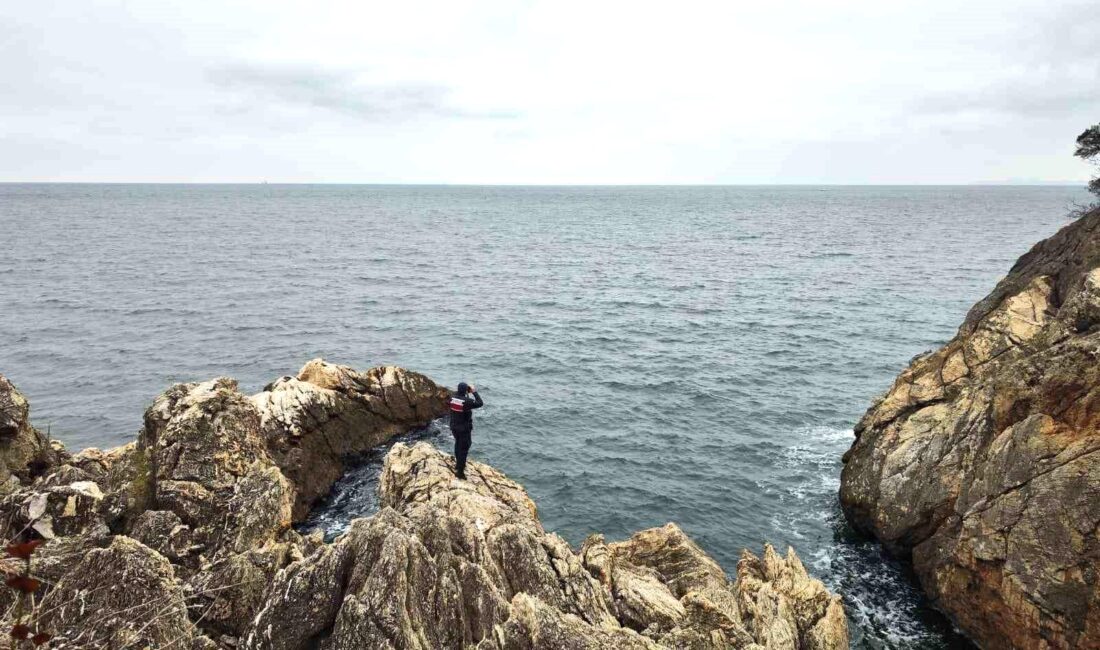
(1088, 148)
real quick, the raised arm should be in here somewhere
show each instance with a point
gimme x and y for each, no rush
(477, 400)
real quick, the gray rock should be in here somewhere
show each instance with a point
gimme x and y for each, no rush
(123, 596)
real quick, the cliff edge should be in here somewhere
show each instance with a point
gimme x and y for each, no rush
(980, 461)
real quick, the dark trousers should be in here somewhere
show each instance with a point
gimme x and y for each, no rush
(462, 448)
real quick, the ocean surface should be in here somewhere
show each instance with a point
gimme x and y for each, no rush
(646, 354)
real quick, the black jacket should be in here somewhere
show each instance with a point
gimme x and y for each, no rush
(462, 406)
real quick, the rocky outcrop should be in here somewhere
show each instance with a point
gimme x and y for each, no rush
(184, 539)
(313, 422)
(124, 595)
(202, 491)
(25, 453)
(980, 463)
(452, 564)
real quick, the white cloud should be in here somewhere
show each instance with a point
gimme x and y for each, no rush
(546, 91)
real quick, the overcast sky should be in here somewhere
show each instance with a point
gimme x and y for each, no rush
(928, 91)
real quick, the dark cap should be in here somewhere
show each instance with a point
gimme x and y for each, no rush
(463, 387)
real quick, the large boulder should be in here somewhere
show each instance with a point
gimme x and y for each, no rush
(210, 467)
(453, 564)
(327, 414)
(123, 596)
(980, 461)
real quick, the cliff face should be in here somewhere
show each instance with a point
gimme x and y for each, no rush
(981, 460)
(183, 539)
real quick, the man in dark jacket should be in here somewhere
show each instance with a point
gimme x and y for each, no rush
(462, 423)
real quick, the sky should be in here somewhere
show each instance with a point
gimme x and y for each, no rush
(554, 92)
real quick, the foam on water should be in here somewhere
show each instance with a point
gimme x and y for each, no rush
(696, 355)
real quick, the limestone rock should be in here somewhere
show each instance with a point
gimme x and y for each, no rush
(25, 453)
(980, 461)
(200, 492)
(328, 413)
(210, 467)
(453, 564)
(122, 596)
(533, 625)
(183, 540)
(666, 586)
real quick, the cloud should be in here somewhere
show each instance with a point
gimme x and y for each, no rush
(343, 92)
(1045, 67)
(1020, 97)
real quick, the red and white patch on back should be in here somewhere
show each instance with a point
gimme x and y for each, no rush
(457, 404)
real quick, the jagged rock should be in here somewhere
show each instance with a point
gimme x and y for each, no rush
(122, 596)
(328, 413)
(980, 462)
(201, 488)
(667, 587)
(225, 505)
(210, 467)
(25, 453)
(65, 510)
(533, 625)
(451, 564)
(124, 474)
(164, 532)
(183, 540)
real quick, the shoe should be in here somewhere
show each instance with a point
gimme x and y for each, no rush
(461, 477)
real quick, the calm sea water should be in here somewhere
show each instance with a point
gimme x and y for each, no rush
(688, 354)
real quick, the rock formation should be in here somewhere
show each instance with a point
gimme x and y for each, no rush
(314, 421)
(201, 493)
(452, 564)
(980, 461)
(184, 539)
(25, 453)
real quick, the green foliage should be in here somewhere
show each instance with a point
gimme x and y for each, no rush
(1088, 148)
(1088, 143)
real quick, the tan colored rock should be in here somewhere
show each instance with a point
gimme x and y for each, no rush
(327, 414)
(25, 453)
(200, 491)
(209, 465)
(183, 540)
(452, 564)
(533, 625)
(980, 462)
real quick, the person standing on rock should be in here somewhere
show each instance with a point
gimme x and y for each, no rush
(462, 423)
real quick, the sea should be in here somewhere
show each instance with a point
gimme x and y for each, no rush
(646, 354)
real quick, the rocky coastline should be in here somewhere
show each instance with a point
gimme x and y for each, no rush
(185, 539)
(980, 463)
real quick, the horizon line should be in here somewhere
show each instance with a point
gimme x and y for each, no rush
(1037, 183)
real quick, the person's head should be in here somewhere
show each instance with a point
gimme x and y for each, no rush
(463, 387)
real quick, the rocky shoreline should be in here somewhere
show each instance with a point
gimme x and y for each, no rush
(185, 539)
(980, 463)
